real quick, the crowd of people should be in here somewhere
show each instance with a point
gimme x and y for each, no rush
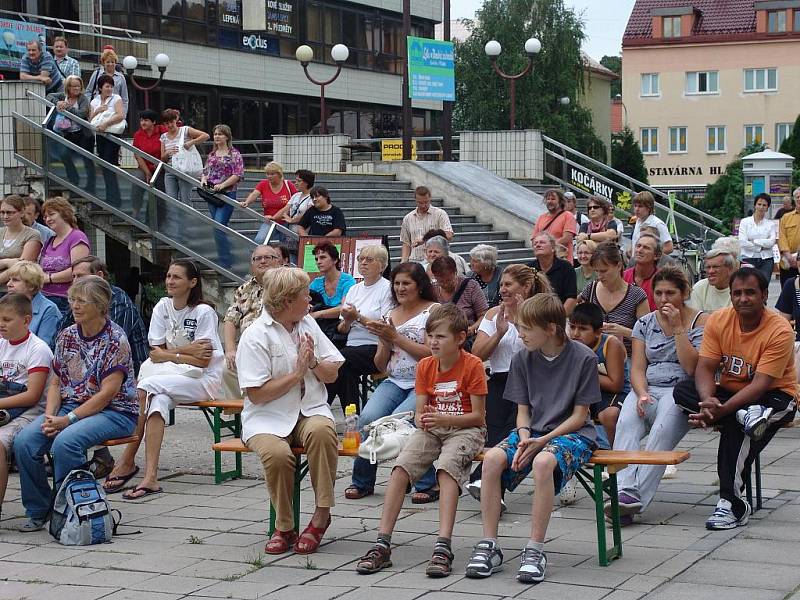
(535, 365)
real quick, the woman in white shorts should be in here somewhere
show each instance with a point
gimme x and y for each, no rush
(183, 332)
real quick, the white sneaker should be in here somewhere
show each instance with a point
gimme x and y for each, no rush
(474, 489)
(754, 419)
(569, 493)
(723, 517)
(486, 558)
(671, 472)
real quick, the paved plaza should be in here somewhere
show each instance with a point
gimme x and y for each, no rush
(200, 540)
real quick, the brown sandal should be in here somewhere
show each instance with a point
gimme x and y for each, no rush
(280, 542)
(311, 538)
(378, 557)
(441, 563)
(357, 493)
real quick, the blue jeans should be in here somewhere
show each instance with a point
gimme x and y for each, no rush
(387, 399)
(68, 450)
(222, 214)
(277, 234)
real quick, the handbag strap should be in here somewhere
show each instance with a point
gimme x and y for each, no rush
(553, 220)
(460, 291)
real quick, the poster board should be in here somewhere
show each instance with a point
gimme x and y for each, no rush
(14, 35)
(348, 248)
(431, 69)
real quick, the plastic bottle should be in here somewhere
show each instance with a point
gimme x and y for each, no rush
(352, 436)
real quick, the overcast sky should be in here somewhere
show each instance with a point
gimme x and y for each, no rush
(605, 21)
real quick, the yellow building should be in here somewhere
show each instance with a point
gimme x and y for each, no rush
(701, 79)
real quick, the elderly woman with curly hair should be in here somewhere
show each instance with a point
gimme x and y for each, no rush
(284, 362)
(484, 270)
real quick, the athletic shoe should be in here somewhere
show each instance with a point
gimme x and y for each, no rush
(670, 472)
(754, 419)
(486, 558)
(628, 505)
(723, 517)
(533, 562)
(30, 525)
(569, 493)
(474, 489)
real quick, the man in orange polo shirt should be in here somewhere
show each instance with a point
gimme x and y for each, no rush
(557, 221)
(751, 348)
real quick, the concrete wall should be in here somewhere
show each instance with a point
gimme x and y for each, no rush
(319, 153)
(597, 98)
(515, 154)
(13, 99)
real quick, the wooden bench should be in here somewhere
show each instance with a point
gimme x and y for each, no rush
(224, 417)
(611, 461)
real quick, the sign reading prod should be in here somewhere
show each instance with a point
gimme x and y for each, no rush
(393, 149)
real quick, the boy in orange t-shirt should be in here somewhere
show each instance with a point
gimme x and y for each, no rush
(752, 350)
(450, 416)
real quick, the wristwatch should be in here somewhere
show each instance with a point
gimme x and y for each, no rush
(73, 418)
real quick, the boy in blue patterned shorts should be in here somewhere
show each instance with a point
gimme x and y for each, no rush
(554, 381)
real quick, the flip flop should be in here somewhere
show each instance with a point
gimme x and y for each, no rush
(118, 482)
(129, 495)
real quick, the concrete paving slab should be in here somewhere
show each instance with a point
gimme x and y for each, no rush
(705, 591)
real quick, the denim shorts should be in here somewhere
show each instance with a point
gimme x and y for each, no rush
(572, 451)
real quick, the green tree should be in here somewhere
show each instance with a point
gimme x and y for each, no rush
(725, 197)
(614, 63)
(482, 98)
(791, 145)
(626, 156)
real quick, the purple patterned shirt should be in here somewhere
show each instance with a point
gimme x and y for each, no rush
(81, 363)
(219, 168)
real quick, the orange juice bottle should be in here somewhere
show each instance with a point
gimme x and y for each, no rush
(352, 436)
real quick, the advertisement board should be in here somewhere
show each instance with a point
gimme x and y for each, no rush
(14, 35)
(431, 69)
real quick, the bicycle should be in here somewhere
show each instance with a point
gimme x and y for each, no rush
(691, 251)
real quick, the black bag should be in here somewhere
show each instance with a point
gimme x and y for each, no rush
(207, 194)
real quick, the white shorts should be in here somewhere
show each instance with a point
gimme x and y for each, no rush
(165, 392)
(10, 430)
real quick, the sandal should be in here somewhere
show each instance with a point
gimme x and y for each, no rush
(441, 563)
(311, 538)
(378, 557)
(280, 542)
(115, 484)
(357, 493)
(141, 492)
(425, 496)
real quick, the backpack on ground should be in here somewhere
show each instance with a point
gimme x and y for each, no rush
(81, 514)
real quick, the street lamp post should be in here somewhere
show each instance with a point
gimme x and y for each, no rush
(493, 50)
(130, 63)
(339, 54)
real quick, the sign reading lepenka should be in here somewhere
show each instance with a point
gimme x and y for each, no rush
(13, 37)
(431, 71)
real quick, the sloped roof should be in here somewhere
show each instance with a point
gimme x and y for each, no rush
(716, 17)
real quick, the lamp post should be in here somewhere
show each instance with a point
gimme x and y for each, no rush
(130, 63)
(339, 54)
(493, 50)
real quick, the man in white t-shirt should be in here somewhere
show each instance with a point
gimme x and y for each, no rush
(713, 292)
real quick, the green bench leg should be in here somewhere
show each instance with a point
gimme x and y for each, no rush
(598, 490)
(229, 427)
(300, 472)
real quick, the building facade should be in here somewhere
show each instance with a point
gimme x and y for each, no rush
(702, 79)
(232, 61)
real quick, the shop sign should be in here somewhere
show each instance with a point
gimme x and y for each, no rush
(263, 45)
(689, 171)
(590, 184)
(393, 149)
(431, 69)
(229, 13)
(280, 17)
(14, 35)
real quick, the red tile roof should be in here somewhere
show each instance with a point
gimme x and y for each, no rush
(716, 17)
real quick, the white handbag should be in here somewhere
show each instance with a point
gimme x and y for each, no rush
(187, 161)
(387, 436)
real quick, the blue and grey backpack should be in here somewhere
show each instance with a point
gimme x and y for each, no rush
(81, 514)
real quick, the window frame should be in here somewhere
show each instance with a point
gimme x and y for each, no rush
(778, 140)
(651, 77)
(755, 71)
(717, 149)
(776, 14)
(650, 150)
(676, 130)
(671, 20)
(695, 75)
(754, 140)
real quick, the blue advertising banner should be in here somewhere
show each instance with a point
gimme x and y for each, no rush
(13, 37)
(431, 69)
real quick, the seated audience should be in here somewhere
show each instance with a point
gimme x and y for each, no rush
(645, 265)
(284, 361)
(584, 272)
(24, 368)
(27, 278)
(323, 219)
(20, 242)
(586, 326)
(497, 342)
(748, 405)
(483, 268)
(644, 206)
(30, 217)
(559, 272)
(462, 291)
(665, 344)
(602, 226)
(621, 302)
(368, 300)
(788, 304)
(90, 399)
(557, 221)
(713, 292)
(437, 245)
(183, 331)
(59, 252)
(328, 290)
(451, 430)
(418, 222)
(401, 344)
(554, 381)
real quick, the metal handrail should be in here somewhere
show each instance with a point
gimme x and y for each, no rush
(160, 164)
(134, 181)
(631, 180)
(59, 21)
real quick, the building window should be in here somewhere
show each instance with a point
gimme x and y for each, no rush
(672, 27)
(677, 139)
(649, 140)
(760, 80)
(782, 131)
(776, 21)
(753, 134)
(650, 85)
(702, 82)
(715, 138)
(797, 20)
